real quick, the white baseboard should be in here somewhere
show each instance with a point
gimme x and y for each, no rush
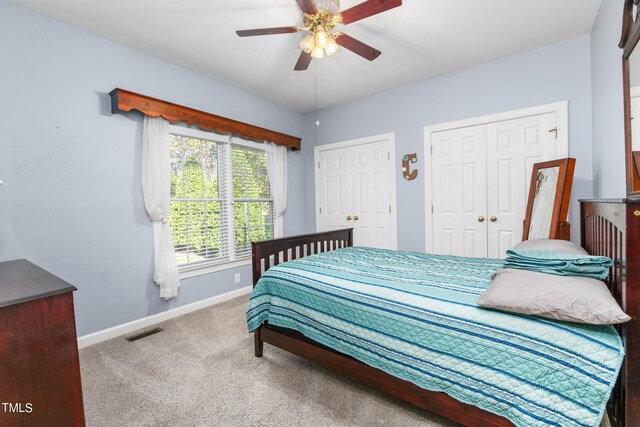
(116, 331)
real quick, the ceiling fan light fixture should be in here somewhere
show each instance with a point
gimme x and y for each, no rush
(307, 43)
(322, 38)
(332, 47)
(317, 52)
(332, 7)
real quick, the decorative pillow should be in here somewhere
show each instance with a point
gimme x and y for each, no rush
(569, 298)
(552, 245)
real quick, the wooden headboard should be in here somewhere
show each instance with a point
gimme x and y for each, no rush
(273, 252)
(612, 228)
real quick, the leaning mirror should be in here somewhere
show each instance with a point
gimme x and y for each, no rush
(548, 204)
(546, 182)
(631, 86)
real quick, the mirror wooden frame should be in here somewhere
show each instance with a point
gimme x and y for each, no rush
(628, 42)
(559, 227)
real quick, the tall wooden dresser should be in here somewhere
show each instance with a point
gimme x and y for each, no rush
(39, 366)
(611, 227)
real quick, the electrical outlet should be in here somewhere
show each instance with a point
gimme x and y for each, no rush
(236, 278)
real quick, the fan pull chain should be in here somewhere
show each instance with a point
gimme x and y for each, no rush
(316, 93)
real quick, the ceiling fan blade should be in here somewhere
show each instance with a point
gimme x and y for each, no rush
(367, 9)
(303, 61)
(307, 6)
(266, 31)
(356, 46)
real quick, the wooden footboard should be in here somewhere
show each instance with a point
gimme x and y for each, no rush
(272, 252)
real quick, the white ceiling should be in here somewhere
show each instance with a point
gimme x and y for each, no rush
(418, 40)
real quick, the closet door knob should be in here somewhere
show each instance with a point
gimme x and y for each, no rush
(480, 218)
(493, 218)
(349, 218)
(355, 218)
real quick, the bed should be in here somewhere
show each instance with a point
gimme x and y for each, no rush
(314, 307)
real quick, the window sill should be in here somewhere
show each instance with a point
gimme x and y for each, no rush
(206, 269)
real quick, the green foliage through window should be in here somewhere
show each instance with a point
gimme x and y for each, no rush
(217, 209)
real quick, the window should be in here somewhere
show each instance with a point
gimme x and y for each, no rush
(220, 198)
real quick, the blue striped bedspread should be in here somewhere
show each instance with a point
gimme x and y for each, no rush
(415, 316)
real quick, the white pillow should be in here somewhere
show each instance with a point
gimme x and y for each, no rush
(553, 245)
(569, 298)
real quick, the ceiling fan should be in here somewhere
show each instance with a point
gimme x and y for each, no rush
(320, 18)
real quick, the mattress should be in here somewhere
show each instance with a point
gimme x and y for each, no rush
(415, 317)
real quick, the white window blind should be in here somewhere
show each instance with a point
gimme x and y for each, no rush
(220, 198)
(252, 202)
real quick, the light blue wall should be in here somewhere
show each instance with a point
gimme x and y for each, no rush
(608, 108)
(71, 200)
(551, 74)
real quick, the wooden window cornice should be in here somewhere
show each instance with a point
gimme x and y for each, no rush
(124, 100)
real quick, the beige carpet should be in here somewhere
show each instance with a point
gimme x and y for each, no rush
(200, 371)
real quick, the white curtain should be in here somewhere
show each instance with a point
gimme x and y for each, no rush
(156, 189)
(277, 170)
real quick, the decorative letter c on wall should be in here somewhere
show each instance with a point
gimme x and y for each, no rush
(406, 160)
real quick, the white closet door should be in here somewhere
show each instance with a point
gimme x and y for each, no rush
(353, 187)
(371, 217)
(334, 189)
(459, 192)
(513, 146)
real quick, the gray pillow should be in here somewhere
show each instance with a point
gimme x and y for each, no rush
(570, 298)
(553, 245)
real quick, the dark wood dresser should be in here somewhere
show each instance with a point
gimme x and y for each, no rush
(611, 227)
(39, 366)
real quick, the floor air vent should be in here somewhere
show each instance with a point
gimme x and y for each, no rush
(144, 334)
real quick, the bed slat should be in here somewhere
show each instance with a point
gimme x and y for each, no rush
(300, 246)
